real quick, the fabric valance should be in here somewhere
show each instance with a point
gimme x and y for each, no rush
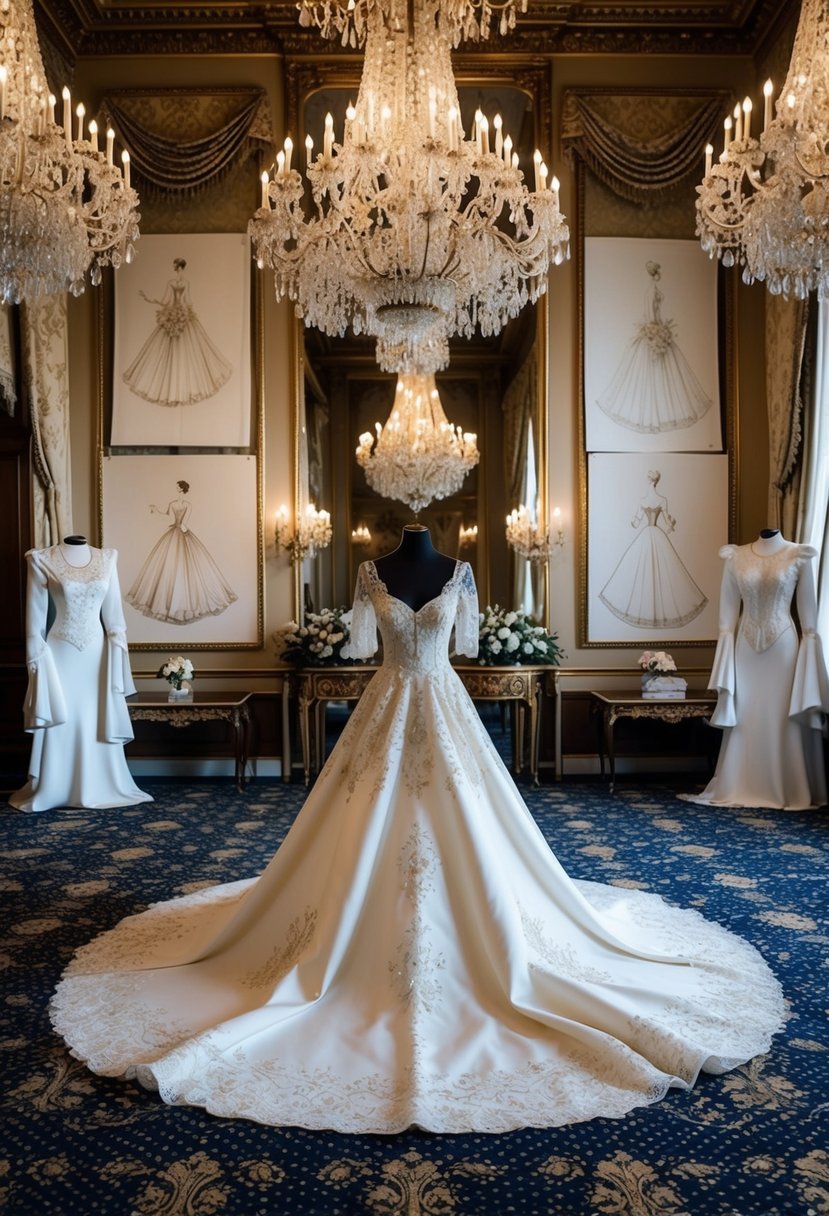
(641, 145)
(182, 140)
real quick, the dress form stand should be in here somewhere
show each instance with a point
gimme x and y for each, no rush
(415, 572)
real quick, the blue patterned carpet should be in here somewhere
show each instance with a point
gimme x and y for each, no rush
(752, 1143)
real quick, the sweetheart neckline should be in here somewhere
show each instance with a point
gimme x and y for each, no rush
(433, 600)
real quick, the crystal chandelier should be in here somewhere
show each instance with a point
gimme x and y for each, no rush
(413, 233)
(417, 456)
(531, 539)
(765, 204)
(314, 532)
(65, 208)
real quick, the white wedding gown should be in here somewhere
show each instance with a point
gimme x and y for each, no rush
(414, 954)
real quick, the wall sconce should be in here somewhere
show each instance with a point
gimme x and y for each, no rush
(314, 532)
(360, 535)
(468, 535)
(529, 539)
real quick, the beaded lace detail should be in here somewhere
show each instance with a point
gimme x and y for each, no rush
(767, 584)
(77, 619)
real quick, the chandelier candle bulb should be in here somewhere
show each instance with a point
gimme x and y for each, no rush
(484, 135)
(328, 137)
(265, 180)
(289, 148)
(93, 134)
(747, 118)
(80, 111)
(727, 125)
(537, 164)
(768, 89)
(497, 122)
(125, 161)
(52, 102)
(67, 116)
(508, 151)
(709, 156)
(110, 145)
(309, 151)
(3, 77)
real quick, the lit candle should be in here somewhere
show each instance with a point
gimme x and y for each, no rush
(508, 151)
(110, 144)
(484, 135)
(67, 116)
(125, 161)
(3, 77)
(478, 137)
(747, 118)
(80, 112)
(537, 163)
(515, 160)
(542, 170)
(93, 134)
(453, 128)
(726, 135)
(51, 107)
(709, 156)
(555, 186)
(289, 148)
(280, 163)
(499, 138)
(768, 88)
(265, 179)
(738, 123)
(328, 139)
(309, 149)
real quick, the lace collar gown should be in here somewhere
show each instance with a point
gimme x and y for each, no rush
(79, 674)
(414, 954)
(772, 684)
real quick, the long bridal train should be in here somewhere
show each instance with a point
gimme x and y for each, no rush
(414, 954)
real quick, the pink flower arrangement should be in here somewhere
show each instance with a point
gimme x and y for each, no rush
(656, 660)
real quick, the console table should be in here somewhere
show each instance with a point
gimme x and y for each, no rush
(610, 706)
(229, 707)
(522, 687)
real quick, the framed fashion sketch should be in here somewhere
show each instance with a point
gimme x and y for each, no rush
(651, 366)
(188, 533)
(655, 525)
(182, 350)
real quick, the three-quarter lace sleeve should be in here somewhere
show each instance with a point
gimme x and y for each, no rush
(362, 642)
(466, 618)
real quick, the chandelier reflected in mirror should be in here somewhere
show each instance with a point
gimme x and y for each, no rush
(66, 209)
(531, 539)
(411, 232)
(418, 456)
(764, 204)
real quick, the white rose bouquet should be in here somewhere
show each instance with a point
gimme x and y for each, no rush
(176, 671)
(318, 642)
(510, 638)
(656, 660)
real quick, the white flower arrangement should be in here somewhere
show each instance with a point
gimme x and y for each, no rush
(318, 642)
(176, 671)
(508, 638)
(656, 660)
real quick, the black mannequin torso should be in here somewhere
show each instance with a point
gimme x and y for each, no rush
(415, 572)
(767, 533)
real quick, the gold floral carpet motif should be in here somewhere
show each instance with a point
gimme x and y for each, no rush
(754, 1142)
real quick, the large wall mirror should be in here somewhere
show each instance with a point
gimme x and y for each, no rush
(495, 387)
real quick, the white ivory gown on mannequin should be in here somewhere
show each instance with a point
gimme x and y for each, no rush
(772, 685)
(79, 675)
(414, 954)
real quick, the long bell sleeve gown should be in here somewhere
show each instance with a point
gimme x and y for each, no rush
(772, 685)
(414, 954)
(79, 676)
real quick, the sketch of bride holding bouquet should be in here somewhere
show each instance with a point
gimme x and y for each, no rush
(654, 388)
(178, 364)
(650, 587)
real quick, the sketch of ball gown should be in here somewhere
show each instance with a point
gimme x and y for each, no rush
(178, 364)
(654, 388)
(650, 587)
(179, 582)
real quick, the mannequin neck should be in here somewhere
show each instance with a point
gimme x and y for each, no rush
(770, 540)
(75, 550)
(415, 572)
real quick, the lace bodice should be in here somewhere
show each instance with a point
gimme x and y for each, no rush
(766, 585)
(77, 592)
(414, 641)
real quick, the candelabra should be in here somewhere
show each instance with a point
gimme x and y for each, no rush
(65, 208)
(468, 535)
(418, 456)
(531, 539)
(412, 233)
(764, 204)
(313, 532)
(360, 535)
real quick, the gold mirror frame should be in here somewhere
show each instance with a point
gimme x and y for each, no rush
(531, 77)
